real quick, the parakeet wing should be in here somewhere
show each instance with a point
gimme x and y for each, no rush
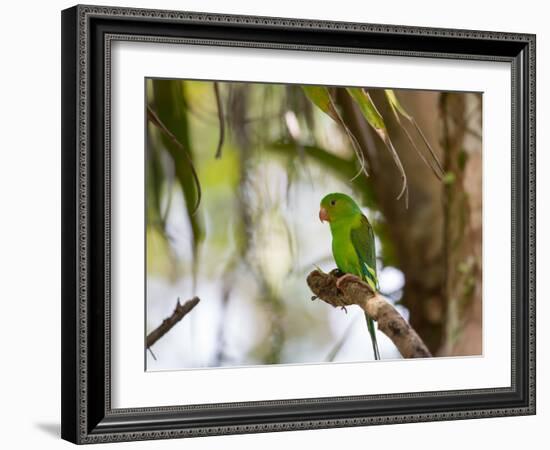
(362, 238)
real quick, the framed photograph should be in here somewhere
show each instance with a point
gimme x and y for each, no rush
(279, 224)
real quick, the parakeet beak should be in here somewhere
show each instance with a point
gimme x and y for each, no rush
(323, 215)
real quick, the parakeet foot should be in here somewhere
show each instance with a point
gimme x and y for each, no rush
(337, 273)
(346, 276)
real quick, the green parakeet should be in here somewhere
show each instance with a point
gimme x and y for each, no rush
(352, 244)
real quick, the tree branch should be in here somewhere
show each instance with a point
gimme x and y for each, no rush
(350, 290)
(179, 313)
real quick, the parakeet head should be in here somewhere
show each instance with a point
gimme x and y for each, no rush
(337, 206)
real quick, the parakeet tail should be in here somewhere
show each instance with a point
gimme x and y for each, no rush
(372, 332)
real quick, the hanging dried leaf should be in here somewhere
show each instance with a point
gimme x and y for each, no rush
(376, 121)
(321, 97)
(399, 112)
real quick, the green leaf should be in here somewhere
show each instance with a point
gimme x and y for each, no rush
(396, 106)
(371, 114)
(320, 97)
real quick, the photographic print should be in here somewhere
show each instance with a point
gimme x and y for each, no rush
(295, 224)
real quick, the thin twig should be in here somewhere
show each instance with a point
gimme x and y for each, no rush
(340, 343)
(152, 354)
(167, 324)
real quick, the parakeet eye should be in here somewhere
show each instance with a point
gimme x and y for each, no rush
(333, 202)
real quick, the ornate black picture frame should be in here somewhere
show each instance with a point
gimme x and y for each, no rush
(87, 34)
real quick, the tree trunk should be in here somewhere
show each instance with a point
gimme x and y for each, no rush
(463, 224)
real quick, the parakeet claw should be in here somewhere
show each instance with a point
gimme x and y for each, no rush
(344, 309)
(337, 273)
(342, 278)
